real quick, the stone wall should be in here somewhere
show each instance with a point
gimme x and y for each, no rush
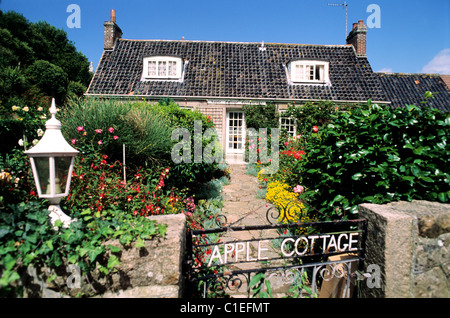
(152, 271)
(410, 242)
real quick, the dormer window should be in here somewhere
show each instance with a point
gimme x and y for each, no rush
(309, 71)
(163, 67)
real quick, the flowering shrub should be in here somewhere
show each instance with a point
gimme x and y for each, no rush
(98, 183)
(287, 202)
(22, 125)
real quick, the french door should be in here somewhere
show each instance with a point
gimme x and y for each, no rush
(235, 139)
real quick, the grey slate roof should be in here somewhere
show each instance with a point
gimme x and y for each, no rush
(407, 89)
(235, 70)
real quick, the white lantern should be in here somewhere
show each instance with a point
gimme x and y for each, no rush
(52, 163)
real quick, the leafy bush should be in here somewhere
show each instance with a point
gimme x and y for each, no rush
(144, 132)
(377, 154)
(27, 238)
(313, 114)
(50, 78)
(193, 173)
(261, 116)
(38, 57)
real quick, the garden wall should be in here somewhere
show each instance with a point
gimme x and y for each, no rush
(151, 271)
(410, 241)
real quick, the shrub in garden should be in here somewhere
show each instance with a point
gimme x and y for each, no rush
(377, 154)
(146, 135)
(28, 239)
(193, 173)
(314, 114)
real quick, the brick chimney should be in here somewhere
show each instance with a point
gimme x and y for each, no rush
(357, 37)
(112, 32)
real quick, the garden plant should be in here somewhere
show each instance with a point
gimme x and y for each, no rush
(109, 198)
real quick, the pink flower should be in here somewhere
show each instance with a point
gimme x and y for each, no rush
(116, 137)
(111, 130)
(80, 128)
(74, 141)
(299, 189)
(315, 129)
(98, 131)
(100, 142)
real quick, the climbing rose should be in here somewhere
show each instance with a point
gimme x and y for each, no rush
(315, 129)
(98, 131)
(111, 130)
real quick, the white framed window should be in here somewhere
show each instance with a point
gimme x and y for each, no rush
(290, 124)
(309, 71)
(163, 67)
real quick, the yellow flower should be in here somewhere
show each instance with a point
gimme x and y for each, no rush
(286, 201)
(25, 109)
(14, 108)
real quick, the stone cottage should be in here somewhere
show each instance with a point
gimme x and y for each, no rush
(219, 78)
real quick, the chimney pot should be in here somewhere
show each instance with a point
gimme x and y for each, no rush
(112, 32)
(358, 38)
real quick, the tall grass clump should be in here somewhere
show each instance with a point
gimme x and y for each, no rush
(144, 132)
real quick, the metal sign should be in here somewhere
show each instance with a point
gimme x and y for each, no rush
(305, 254)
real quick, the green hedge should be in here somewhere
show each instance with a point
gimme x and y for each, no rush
(377, 154)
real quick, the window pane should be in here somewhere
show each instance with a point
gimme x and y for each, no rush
(162, 68)
(311, 72)
(172, 68)
(152, 68)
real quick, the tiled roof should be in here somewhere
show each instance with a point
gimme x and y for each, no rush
(406, 89)
(235, 70)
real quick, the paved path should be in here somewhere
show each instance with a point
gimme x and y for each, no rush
(243, 208)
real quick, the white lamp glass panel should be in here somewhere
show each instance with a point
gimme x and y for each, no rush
(62, 167)
(42, 174)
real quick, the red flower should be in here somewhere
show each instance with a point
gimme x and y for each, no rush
(315, 129)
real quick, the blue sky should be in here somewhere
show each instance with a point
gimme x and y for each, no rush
(414, 36)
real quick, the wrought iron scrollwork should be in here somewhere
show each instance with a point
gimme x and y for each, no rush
(221, 220)
(291, 212)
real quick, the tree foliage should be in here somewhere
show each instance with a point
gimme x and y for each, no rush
(28, 48)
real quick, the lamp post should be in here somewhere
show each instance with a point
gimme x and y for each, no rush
(52, 163)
